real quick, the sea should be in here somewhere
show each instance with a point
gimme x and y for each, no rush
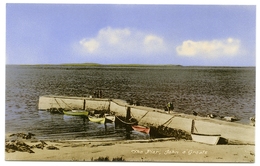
(222, 91)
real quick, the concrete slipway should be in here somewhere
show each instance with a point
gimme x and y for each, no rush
(173, 124)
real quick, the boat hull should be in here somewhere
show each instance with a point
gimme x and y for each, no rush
(76, 113)
(205, 138)
(97, 120)
(141, 129)
(110, 118)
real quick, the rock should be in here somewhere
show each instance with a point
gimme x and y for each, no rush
(39, 146)
(29, 136)
(22, 135)
(194, 113)
(9, 150)
(18, 146)
(44, 143)
(252, 121)
(52, 148)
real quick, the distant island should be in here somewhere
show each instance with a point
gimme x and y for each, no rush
(120, 65)
(101, 65)
(124, 65)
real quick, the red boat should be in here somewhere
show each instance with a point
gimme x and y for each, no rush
(141, 129)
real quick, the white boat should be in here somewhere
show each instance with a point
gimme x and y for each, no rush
(230, 118)
(211, 139)
(76, 113)
(110, 118)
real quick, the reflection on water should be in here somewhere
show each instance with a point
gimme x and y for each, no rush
(77, 127)
(221, 91)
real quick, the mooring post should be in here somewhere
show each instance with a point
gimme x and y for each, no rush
(128, 127)
(192, 126)
(84, 104)
(128, 113)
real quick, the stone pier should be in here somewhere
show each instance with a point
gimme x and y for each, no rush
(177, 123)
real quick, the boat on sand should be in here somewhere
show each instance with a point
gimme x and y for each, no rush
(230, 118)
(211, 139)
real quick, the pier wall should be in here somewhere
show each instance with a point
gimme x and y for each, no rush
(65, 102)
(118, 107)
(156, 118)
(97, 104)
(47, 102)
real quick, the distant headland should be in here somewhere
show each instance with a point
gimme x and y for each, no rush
(124, 65)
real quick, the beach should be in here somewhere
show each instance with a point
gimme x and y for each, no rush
(153, 150)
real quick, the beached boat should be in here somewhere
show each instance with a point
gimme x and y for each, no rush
(76, 113)
(141, 129)
(110, 118)
(211, 139)
(97, 120)
(230, 118)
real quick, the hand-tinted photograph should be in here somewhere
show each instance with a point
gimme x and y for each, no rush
(130, 83)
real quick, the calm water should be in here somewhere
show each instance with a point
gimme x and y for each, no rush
(222, 91)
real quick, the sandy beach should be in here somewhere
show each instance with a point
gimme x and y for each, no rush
(163, 150)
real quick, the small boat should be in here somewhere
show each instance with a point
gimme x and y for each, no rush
(141, 129)
(230, 118)
(96, 119)
(211, 115)
(110, 118)
(76, 113)
(211, 139)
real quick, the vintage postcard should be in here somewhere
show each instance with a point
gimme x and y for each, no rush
(130, 82)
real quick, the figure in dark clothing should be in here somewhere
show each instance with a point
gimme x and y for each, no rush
(170, 107)
(100, 94)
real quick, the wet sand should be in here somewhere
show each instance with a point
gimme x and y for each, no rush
(163, 150)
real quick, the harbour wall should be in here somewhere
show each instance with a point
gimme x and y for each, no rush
(66, 102)
(172, 124)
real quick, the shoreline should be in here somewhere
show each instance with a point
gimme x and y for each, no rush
(156, 150)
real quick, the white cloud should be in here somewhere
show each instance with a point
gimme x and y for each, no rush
(113, 45)
(154, 43)
(123, 41)
(209, 49)
(91, 45)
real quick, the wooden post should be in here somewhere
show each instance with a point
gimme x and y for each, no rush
(192, 126)
(128, 113)
(84, 103)
(128, 127)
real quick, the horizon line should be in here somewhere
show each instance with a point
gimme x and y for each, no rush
(123, 64)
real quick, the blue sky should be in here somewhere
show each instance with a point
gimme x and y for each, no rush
(207, 35)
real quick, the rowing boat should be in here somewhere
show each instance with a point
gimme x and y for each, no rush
(96, 120)
(141, 129)
(110, 118)
(211, 139)
(76, 113)
(230, 118)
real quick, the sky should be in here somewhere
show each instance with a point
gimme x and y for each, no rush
(188, 35)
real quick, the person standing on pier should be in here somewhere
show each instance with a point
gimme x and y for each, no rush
(100, 94)
(170, 107)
